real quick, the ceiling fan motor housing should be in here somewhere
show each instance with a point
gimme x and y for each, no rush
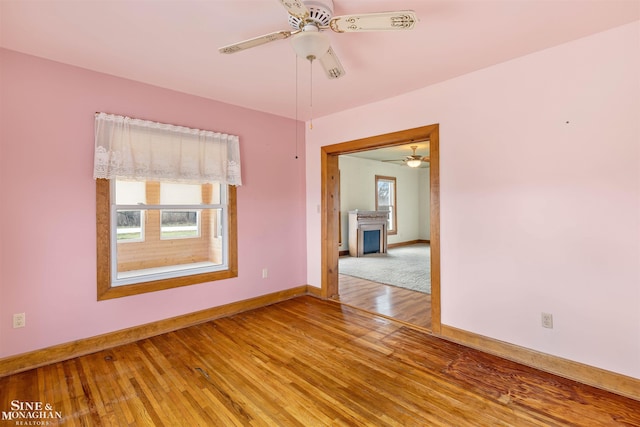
(320, 13)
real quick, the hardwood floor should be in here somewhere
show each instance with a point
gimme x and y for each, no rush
(307, 362)
(392, 301)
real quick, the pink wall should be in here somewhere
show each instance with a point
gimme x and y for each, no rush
(47, 232)
(540, 195)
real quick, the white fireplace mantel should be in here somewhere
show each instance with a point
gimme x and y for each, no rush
(361, 221)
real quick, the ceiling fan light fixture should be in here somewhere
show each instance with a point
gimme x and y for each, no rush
(310, 44)
(414, 163)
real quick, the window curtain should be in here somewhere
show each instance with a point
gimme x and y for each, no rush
(141, 150)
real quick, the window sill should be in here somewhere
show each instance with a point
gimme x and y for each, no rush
(162, 284)
(168, 272)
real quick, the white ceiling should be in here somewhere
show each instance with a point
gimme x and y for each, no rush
(173, 44)
(395, 155)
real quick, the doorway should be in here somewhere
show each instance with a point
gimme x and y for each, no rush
(330, 184)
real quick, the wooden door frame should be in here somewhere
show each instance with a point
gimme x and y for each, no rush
(330, 205)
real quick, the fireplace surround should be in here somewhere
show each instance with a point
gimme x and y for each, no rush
(363, 228)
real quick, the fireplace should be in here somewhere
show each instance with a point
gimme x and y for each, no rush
(367, 232)
(371, 242)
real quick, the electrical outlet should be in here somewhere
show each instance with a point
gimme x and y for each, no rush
(265, 273)
(19, 320)
(547, 320)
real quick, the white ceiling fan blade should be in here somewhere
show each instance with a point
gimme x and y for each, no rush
(399, 20)
(332, 65)
(296, 8)
(256, 41)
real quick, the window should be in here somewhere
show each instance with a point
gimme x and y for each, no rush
(165, 205)
(130, 226)
(386, 200)
(157, 235)
(130, 223)
(180, 222)
(176, 224)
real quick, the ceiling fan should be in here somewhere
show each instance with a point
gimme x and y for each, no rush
(309, 18)
(414, 160)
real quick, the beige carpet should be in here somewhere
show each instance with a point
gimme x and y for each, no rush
(405, 266)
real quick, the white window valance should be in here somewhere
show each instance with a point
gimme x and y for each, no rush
(137, 149)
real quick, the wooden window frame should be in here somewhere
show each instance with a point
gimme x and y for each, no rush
(395, 201)
(103, 238)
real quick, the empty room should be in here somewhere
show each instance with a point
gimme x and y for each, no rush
(316, 212)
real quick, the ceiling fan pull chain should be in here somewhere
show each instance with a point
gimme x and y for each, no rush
(311, 93)
(296, 123)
